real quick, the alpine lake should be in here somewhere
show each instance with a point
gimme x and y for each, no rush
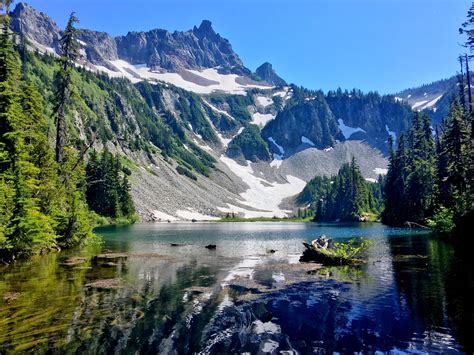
(156, 288)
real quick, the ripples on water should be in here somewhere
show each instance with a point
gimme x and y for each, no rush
(414, 293)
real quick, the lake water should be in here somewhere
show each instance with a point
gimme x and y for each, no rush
(144, 295)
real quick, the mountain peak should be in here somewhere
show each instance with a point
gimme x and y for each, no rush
(206, 25)
(268, 74)
(36, 25)
(205, 29)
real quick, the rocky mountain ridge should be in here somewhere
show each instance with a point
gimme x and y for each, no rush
(158, 49)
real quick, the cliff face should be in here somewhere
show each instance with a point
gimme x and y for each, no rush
(35, 25)
(199, 48)
(319, 120)
(159, 49)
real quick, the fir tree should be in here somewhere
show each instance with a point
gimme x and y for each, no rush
(456, 156)
(69, 54)
(394, 212)
(421, 188)
(126, 203)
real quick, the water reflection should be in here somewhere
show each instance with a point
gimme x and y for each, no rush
(413, 294)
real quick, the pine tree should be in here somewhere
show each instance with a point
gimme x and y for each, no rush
(126, 203)
(467, 28)
(394, 212)
(455, 153)
(73, 223)
(421, 188)
(69, 54)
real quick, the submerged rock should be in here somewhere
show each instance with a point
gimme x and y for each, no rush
(11, 296)
(106, 284)
(74, 260)
(111, 256)
(211, 246)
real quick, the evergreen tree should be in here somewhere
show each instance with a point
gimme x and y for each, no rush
(69, 54)
(394, 212)
(108, 194)
(126, 203)
(411, 184)
(420, 185)
(455, 152)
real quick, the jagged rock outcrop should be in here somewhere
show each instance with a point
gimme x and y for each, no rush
(199, 48)
(268, 74)
(35, 25)
(100, 47)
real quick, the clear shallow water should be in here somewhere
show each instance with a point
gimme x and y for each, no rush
(414, 294)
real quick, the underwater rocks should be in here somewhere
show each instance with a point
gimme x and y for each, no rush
(106, 284)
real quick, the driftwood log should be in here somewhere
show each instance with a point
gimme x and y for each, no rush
(322, 251)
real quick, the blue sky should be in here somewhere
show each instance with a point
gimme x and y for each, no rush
(383, 45)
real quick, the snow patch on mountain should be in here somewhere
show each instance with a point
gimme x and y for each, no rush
(261, 119)
(424, 104)
(161, 216)
(264, 101)
(347, 131)
(391, 133)
(214, 108)
(189, 215)
(419, 105)
(433, 102)
(380, 171)
(276, 162)
(285, 94)
(263, 195)
(279, 147)
(204, 81)
(307, 141)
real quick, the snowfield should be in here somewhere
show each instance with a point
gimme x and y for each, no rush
(261, 119)
(280, 148)
(161, 216)
(424, 104)
(419, 105)
(347, 131)
(261, 194)
(307, 141)
(380, 171)
(204, 81)
(264, 101)
(190, 215)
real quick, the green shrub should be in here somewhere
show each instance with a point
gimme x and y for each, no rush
(186, 172)
(443, 221)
